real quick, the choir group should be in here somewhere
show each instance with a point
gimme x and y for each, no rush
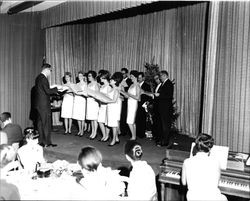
(99, 99)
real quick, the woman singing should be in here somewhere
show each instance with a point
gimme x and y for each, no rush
(79, 110)
(133, 96)
(67, 104)
(92, 104)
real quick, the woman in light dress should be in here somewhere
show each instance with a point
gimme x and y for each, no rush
(114, 106)
(99, 183)
(67, 104)
(201, 173)
(141, 182)
(79, 109)
(102, 115)
(133, 96)
(92, 104)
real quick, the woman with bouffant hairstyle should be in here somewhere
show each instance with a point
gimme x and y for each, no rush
(99, 182)
(141, 183)
(67, 104)
(201, 172)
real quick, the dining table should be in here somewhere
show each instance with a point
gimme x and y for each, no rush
(60, 184)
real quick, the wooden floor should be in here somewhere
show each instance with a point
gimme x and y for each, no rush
(70, 145)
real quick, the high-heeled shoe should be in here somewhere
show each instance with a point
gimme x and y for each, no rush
(106, 140)
(117, 142)
(111, 145)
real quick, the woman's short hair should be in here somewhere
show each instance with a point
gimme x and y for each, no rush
(133, 149)
(105, 75)
(135, 73)
(7, 154)
(125, 70)
(67, 73)
(117, 77)
(30, 133)
(80, 72)
(89, 158)
(77, 77)
(64, 77)
(93, 73)
(204, 142)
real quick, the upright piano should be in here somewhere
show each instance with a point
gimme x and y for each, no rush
(232, 183)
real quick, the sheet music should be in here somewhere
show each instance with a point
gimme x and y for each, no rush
(75, 87)
(218, 152)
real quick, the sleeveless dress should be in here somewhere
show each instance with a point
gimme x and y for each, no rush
(102, 115)
(67, 105)
(79, 109)
(113, 110)
(92, 106)
(132, 106)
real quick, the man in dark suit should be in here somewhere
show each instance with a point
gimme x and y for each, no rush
(164, 100)
(141, 113)
(42, 105)
(126, 82)
(156, 119)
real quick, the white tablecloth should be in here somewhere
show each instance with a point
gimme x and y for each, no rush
(51, 188)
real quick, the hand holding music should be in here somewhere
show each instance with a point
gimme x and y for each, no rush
(60, 88)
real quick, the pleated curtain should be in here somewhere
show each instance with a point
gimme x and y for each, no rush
(21, 53)
(229, 102)
(174, 38)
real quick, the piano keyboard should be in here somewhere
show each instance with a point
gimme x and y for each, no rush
(226, 186)
(234, 185)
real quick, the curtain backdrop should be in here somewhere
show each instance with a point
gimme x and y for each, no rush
(174, 38)
(21, 51)
(75, 10)
(230, 122)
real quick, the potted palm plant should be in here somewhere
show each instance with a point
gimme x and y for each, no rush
(151, 70)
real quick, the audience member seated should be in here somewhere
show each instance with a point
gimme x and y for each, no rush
(141, 183)
(31, 154)
(201, 173)
(13, 131)
(99, 182)
(3, 138)
(8, 191)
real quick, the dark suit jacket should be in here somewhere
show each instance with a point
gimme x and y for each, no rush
(42, 93)
(14, 133)
(146, 87)
(166, 95)
(129, 83)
